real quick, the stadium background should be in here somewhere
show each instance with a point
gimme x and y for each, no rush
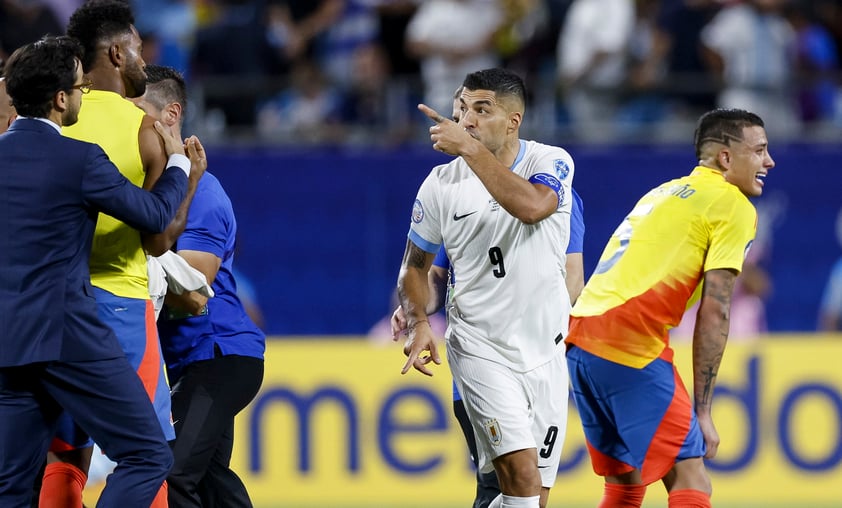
(322, 232)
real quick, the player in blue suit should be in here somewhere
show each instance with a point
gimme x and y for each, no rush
(55, 353)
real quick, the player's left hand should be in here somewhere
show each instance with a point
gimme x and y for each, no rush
(421, 338)
(710, 434)
(446, 134)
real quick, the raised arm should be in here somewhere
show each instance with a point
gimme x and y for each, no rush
(528, 202)
(709, 339)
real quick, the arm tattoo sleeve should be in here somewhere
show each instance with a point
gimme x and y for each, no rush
(711, 333)
(414, 256)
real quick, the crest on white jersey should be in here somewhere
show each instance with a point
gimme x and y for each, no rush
(561, 168)
(417, 212)
(492, 428)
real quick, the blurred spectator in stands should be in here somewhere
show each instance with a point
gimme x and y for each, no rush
(230, 55)
(752, 48)
(830, 312)
(522, 40)
(307, 111)
(829, 14)
(452, 38)
(591, 65)
(294, 26)
(172, 25)
(674, 66)
(642, 103)
(62, 9)
(356, 27)
(22, 22)
(369, 104)
(394, 16)
(816, 60)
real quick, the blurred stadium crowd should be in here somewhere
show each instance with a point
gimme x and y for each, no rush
(351, 71)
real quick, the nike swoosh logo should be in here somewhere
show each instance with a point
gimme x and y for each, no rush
(460, 217)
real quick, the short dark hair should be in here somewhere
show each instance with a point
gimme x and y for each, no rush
(502, 82)
(97, 21)
(165, 85)
(36, 72)
(722, 126)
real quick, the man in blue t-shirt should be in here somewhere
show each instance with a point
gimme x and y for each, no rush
(213, 351)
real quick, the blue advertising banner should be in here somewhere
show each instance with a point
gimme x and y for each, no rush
(322, 231)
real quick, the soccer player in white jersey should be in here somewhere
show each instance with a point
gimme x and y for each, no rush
(502, 211)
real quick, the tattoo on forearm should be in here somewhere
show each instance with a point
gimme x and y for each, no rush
(709, 380)
(712, 332)
(720, 287)
(414, 257)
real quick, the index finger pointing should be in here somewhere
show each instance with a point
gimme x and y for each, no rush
(431, 113)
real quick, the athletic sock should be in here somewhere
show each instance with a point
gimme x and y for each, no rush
(62, 486)
(160, 500)
(688, 498)
(618, 495)
(504, 501)
(519, 502)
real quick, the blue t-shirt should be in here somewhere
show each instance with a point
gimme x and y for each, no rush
(211, 227)
(574, 246)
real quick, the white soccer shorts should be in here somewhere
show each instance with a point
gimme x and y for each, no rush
(512, 411)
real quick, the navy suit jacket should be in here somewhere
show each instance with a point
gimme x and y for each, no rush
(51, 188)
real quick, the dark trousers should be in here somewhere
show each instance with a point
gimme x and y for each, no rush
(487, 485)
(205, 400)
(106, 399)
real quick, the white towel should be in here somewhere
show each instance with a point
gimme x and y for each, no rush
(182, 277)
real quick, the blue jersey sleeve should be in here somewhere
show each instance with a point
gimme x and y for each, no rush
(577, 226)
(208, 221)
(441, 259)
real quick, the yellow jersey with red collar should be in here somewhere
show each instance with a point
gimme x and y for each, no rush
(654, 262)
(118, 262)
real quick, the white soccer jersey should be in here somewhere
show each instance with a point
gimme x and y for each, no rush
(509, 303)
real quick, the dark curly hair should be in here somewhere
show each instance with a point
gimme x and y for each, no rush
(97, 21)
(36, 72)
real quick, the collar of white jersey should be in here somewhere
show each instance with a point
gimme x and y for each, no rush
(520, 153)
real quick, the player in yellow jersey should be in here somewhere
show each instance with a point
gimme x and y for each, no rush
(113, 63)
(688, 236)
